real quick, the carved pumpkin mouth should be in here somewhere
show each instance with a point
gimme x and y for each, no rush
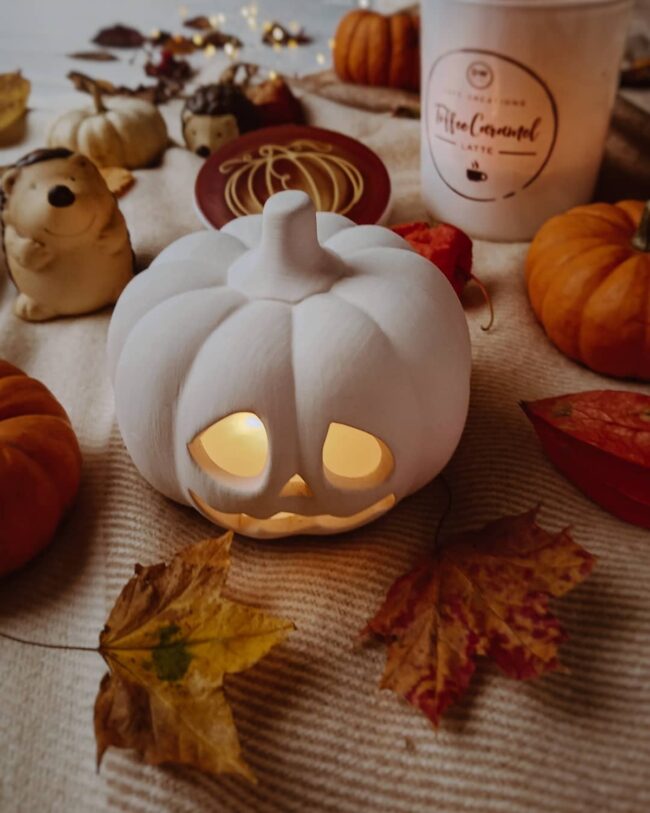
(284, 522)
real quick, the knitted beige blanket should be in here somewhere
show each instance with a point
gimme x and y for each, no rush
(315, 728)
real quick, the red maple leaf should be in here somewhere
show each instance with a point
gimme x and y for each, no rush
(484, 592)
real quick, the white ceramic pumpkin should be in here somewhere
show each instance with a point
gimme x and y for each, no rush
(119, 132)
(291, 373)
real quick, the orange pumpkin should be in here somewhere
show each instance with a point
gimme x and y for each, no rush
(40, 466)
(588, 275)
(377, 49)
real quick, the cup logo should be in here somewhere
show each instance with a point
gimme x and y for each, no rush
(480, 75)
(491, 123)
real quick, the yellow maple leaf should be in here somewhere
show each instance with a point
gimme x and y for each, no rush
(168, 642)
(118, 179)
(14, 92)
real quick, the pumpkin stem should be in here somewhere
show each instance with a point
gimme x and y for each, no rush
(97, 99)
(488, 301)
(289, 263)
(641, 239)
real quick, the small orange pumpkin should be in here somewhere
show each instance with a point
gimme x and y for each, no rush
(40, 466)
(588, 275)
(377, 49)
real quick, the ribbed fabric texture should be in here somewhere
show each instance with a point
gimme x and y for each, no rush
(315, 728)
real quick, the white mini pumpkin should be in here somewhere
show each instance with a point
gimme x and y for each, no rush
(292, 373)
(120, 132)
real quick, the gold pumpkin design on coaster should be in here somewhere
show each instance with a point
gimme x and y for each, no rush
(333, 182)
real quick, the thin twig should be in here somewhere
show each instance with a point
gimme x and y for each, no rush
(445, 512)
(488, 300)
(65, 647)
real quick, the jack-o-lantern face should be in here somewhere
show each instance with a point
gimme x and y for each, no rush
(235, 449)
(282, 386)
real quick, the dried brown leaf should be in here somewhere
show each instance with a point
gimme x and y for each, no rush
(199, 23)
(93, 56)
(119, 36)
(164, 89)
(277, 34)
(220, 39)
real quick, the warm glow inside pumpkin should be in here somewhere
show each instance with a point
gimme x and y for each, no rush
(237, 446)
(355, 459)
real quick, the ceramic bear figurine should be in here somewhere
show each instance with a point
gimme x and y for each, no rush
(65, 240)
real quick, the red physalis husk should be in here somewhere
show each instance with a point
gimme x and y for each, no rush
(600, 440)
(450, 249)
(483, 592)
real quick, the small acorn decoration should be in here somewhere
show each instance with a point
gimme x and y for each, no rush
(215, 114)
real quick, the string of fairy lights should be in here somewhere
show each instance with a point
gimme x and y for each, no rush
(250, 12)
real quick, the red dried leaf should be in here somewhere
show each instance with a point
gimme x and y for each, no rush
(447, 247)
(600, 440)
(177, 44)
(169, 66)
(484, 592)
(119, 36)
(275, 103)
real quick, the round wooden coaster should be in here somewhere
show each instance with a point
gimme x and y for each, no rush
(339, 173)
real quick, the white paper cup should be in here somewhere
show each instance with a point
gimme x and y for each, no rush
(516, 101)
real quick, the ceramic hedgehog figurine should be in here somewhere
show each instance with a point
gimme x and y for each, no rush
(215, 114)
(65, 239)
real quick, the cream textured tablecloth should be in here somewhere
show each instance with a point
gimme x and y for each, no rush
(316, 730)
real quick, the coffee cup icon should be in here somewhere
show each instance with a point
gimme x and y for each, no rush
(475, 174)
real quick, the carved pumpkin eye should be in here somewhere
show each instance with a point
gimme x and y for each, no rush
(355, 459)
(237, 445)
